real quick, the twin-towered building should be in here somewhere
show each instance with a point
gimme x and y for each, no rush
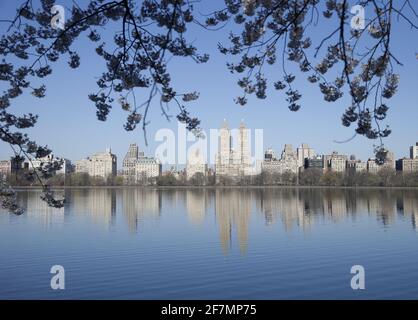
(233, 158)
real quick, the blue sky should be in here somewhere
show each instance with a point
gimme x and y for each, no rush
(68, 123)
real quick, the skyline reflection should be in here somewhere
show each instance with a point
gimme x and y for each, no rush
(231, 209)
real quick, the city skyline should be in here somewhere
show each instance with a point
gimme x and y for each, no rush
(236, 146)
(234, 160)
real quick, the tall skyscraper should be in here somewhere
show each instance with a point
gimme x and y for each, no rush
(129, 163)
(132, 153)
(234, 157)
(414, 151)
(304, 152)
(242, 150)
(289, 159)
(224, 144)
(390, 161)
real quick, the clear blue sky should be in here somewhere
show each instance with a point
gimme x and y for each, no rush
(68, 124)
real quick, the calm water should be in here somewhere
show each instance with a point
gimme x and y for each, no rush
(213, 244)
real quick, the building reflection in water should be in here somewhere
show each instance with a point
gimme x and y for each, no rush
(407, 205)
(196, 205)
(301, 208)
(97, 203)
(232, 211)
(284, 204)
(139, 204)
(294, 208)
(38, 209)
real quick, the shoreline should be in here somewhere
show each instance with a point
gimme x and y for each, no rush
(210, 187)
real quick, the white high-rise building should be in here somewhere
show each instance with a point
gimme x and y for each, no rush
(137, 167)
(234, 157)
(287, 163)
(304, 152)
(129, 161)
(408, 165)
(360, 166)
(147, 168)
(390, 163)
(372, 166)
(242, 149)
(414, 151)
(196, 163)
(335, 162)
(101, 164)
(36, 163)
(5, 168)
(354, 165)
(289, 159)
(224, 144)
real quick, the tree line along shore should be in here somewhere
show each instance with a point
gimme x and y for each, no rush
(308, 177)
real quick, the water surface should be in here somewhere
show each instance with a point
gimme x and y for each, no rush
(225, 243)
